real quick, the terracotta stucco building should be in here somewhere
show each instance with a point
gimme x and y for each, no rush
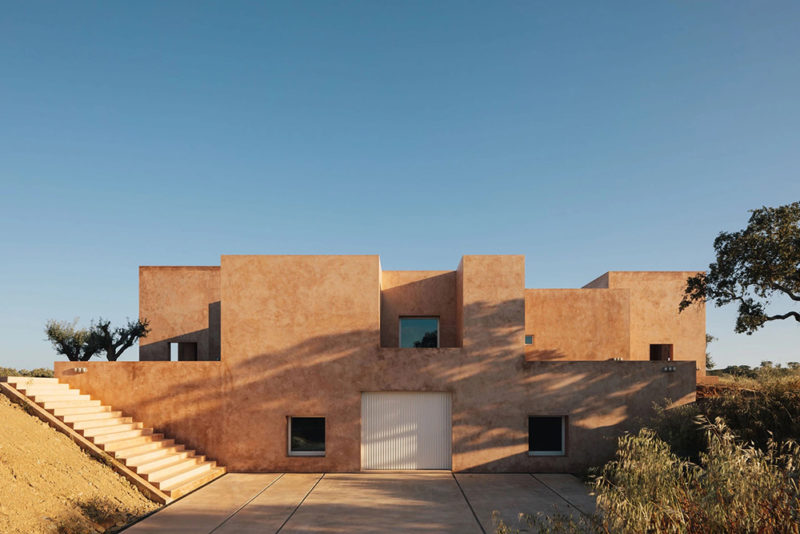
(329, 363)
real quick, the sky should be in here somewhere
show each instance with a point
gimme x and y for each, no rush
(588, 136)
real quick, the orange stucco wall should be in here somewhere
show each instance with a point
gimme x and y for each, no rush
(655, 297)
(303, 336)
(182, 305)
(577, 324)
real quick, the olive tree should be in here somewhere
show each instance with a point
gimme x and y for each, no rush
(81, 344)
(70, 341)
(114, 341)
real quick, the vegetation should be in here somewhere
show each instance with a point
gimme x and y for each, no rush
(758, 408)
(709, 361)
(40, 372)
(113, 342)
(734, 487)
(752, 267)
(683, 474)
(81, 344)
(70, 341)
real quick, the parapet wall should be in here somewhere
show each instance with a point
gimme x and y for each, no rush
(240, 418)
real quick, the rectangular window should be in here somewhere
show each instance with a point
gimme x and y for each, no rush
(419, 332)
(173, 352)
(661, 353)
(306, 436)
(547, 436)
(529, 340)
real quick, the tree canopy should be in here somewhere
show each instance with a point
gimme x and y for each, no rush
(81, 344)
(70, 341)
(754, 266)
(115, 341)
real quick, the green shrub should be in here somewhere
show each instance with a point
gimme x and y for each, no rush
(40, 372)
(756, 411)
(735, 487)
(647, 488)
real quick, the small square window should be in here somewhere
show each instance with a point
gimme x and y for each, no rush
(547, 436)
(306, 436)
(529, 340)
(419, 332)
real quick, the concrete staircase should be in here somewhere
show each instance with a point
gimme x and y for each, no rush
(160, 467)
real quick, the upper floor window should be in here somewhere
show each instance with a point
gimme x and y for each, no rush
(419, 332)
(662, 352)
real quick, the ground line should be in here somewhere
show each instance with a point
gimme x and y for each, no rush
(543, 483)
(265, 488)
(296, 508)
(469, 504)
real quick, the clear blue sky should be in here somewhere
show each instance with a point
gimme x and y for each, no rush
(589, 136)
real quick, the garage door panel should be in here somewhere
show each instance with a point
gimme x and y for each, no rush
(406, 430)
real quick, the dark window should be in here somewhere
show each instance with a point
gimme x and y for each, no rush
(529, 340)
(187, 352)
(306, 436)
(661, 353)
(419, 332)
(546, 436)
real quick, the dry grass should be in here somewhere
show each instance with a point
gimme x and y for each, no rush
(48, 484)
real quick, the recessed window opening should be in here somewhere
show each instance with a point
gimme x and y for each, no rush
(306, 436)
(547, 435)
(529, 339)
(419, 332)
(173, 352)
(661, 353)
(187, 351)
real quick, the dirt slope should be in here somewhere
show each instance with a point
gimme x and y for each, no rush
(48, 484)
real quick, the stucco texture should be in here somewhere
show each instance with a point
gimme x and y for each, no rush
(302, 336)
(655, 319)
(181, 305)
(577, 324)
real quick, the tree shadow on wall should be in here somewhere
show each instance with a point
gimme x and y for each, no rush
(236, 410)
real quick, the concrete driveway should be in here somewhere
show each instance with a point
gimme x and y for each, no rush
(365, 502)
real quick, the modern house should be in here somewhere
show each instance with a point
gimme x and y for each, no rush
(329, 363)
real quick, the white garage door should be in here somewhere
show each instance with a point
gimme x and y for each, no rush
(406, 430)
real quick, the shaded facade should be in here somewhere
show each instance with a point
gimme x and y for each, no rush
(294, 363)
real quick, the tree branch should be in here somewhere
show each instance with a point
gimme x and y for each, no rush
(786, 290)
(794, 314)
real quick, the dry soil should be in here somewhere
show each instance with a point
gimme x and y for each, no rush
(49, 485)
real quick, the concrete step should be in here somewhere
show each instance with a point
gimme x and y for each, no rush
(51, 405)
(158, 466)
(191, 485)
(33, 389)
(186, 475)
(164, 462)
(113, 446)
(73, 395)
(16, 380)
(97, 431)
(168, 470)
(81, 421)
(138, 460)
(78, 410)
(121, 435)
(136, 449)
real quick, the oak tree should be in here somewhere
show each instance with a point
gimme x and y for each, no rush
(753, 267)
